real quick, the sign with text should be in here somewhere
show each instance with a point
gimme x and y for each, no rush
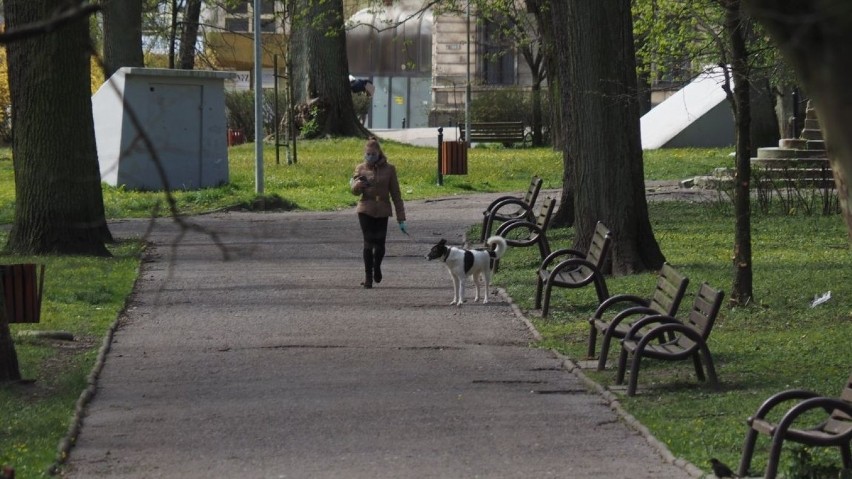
(243, 81)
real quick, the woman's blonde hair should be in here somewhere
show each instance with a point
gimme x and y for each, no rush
(373, 143)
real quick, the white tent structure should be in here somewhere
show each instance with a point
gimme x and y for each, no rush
(698, 115)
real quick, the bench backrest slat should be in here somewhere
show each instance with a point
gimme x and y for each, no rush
(496, 131)
(839, 422)
(542, 220)
(532, 191)
(599, 246)
(669, 290)
(705, 308)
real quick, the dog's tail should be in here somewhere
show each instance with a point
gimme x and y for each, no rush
(498, 245)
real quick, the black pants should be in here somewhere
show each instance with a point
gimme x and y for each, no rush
(375, 231)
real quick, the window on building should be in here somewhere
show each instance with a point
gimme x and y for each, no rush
(268, 25)
(497, 59)
(238, 8)
(236, 24)
(239, 17)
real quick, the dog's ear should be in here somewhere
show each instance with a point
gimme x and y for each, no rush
(442, 242)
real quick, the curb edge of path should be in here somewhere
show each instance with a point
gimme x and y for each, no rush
(611, 399)
(67, 443)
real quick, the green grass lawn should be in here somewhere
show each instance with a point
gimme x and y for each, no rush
(319, 180)
(776, 343)
(83, 296)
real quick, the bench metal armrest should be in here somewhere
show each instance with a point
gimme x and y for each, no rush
(825, 403)
(662, 330)
(494, 205)
(574, 264)
(518, 223)
(558, 254)
(494, 208)
(509, 223)
(617, 299)
(778, 398)
(623, 315)
(658, 319)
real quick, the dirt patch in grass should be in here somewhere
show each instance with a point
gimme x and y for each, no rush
(60, 358)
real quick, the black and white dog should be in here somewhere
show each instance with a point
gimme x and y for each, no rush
(475, 263)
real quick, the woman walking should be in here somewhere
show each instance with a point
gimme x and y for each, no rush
(376, 182)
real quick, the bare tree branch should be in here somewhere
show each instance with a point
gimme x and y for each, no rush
(59, 19)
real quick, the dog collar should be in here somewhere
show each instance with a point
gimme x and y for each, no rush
(447, 254)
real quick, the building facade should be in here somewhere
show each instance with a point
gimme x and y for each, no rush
(420, 63)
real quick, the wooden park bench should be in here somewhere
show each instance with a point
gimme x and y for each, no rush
(834, 429)
(507, 208)
(616, 314)
(521, 233)
(670, 339)
(578, 270)
(505, 132)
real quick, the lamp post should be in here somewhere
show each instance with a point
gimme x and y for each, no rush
(467, 88)
(258, 102)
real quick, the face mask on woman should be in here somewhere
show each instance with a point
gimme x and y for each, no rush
(371, 158)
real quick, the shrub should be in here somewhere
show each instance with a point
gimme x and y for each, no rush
(791, 194)
(310, 117)
(510, 104)
(5, 100)
(361, 102)
(239, 110)
(239, 107)
(811, 463)
(506, 104)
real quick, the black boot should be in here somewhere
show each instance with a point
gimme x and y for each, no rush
(378, 256)
(368, 267)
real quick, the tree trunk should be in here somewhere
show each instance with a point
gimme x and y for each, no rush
(644, 93)
(542, 12)
(535, 63)
(9, 369)
(122, 35)
(741, 290)
(816, 40)
(537, 139)
(173, 25)
(560, 85)
(59, 203)
(603, 131)
(320, 66)
(190, 34)
(764, 123)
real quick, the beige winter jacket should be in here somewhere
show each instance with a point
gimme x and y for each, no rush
(384, 188)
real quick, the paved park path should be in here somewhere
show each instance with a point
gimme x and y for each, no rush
(254, 353)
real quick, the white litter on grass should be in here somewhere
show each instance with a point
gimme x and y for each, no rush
(818, 300)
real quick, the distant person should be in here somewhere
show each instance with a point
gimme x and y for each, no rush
(376, 181)
(361, 85)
